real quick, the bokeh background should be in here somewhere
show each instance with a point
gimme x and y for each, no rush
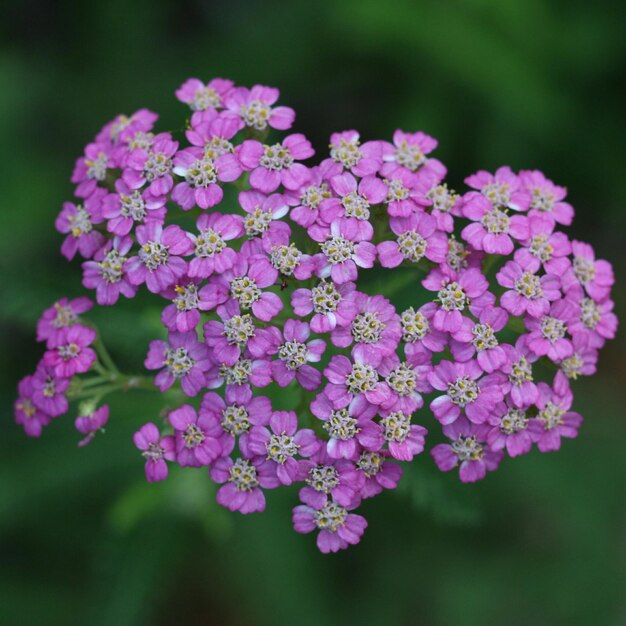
(83, 540)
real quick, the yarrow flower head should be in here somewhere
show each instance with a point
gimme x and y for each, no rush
(321, 314)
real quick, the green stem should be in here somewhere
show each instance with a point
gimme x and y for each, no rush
(107, 361)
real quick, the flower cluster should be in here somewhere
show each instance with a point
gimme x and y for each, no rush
(261, 263)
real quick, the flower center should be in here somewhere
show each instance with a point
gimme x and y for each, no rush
(157, 164)
(216, 147)
(452, 297)
(141, 140)
(331, 517)
(396, 426)
(589, 313)
(293, 354)
(285, 258)
(256, 114)
(412, 245)
(243, 475)
(153, 254)
(133, 206)
(257, 222)
(572, 366)
(551, 416)
(206, 98)
(276, 157)
(529, 286)
(584, 270)
(396, 191)
(65, 316)
(442, 198)
(541, 248)
(367, 328)
(521, 372)
(111, 267)
(467, 449)
(341, 425)
(245, 291)
(235, 420)
(193, 436)
(27, 407)
(497, 193)
(552, 328)
(496, 222)
(238, 329)
(323, 478)
(513, 422)
(484, 337)
(80, 222)
(542, 200)
(457, 255)
(410, 155)
(338, 249)
(370, 463)
(362, 378)
(402, 379)
(209, 243)
(237, 374)
(178, 362)
(97, 168)
(154, 452)
(314, 194)
(280, 448)
(463, 391)
(187, 297)
(415, 326)
(49, 387)
(346, 152)
(202, 173)
(356, 205)
(325, 297)
(68, 351)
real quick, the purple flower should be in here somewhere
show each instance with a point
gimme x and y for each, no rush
(338, 528)
(595, 320)
(202, 175)
(409, 151)
(195, 446)
(27, 414)
(233, 417)
(69, 353)
(156, 450)
(244, 284)
(254, 106)
(596, 276)
(416, 237)
(281, 442)
(263, 214)
(200, 97)
(554, 419)
(444, 204)
(546, 197)
(49, 391)
(343, 251)
(77, 222)
(331, 305)
(246, 371)
(527, 292)
(183, 358)
(107, 272)
(90, 422)
(123, 128)
(159, 263)
(517, 369)
(241, 481)
(544, 247)
(375, 330)
(213, 131)
(295, 353)
(404, 196)
(582, 362)
(62, 314)
(211, 252)
(348, 427)
(405, 440)
(492, 230)
(307, 199)
(509, 430)
(547, 336)
(503, 189)
(91, 169)
(187, 301)
(418, 334)
(347, 153)
(467, 449)
(152, 165)
(466, 392)
(406, 379)
(379, 472)
(129, 207)
(274, 165)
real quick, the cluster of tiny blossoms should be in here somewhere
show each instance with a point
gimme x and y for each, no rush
(260, 288)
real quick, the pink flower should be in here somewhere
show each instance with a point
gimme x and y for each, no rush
(78, 222)
(90, 422)
(595, 275)
(405, 440)
(200, 97)
(156, 450)
(348, 154)
(27, 415)
(254, 106)
(594, 320)
(509, 430)
(307, 199)
(152, 166)
(503, 189)
(69, 352)
(91, 169)
(62, 314)
(379, 472)
(547, 336)
(48, 391)
(546, 197)
(274, 165)
(544, 247)
(195, 446)
(187, 301)
(409, 151)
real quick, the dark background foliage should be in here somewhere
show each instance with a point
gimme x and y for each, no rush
(529, 83)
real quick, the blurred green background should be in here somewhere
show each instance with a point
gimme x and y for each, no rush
(83, 540)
